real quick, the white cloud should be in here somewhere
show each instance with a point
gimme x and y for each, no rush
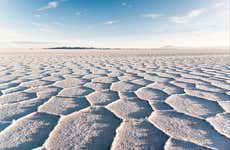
(185, 19)
(52, 4)
(42, 27)
(47, 27)
(32, 43)
(37, 15)
(196, 12)
(124, 4)
(78, 13)
(150, 15)
(38, 24)
(221, 3)
(110, 22)
(81, 12)
(57, 24)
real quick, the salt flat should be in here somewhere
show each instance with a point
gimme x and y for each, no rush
(114, 99)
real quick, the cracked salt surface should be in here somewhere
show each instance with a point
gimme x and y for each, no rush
(114, 100)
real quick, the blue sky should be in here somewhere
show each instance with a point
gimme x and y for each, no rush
(114, 23)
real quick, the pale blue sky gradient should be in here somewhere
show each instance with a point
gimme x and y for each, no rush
(115, 23)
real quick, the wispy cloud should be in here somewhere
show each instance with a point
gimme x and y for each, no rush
(78, 13)
(82, 12)
(57, 24)
(42, 27)
(150, 15)
(125, 4)
(186, 18)
(47, 27)
(37, 15)
(52, 4)
(32, 42)
(219, 3)
(110, 22)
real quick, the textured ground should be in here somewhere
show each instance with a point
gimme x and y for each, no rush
(117, 101)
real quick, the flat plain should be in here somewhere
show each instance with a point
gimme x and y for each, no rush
(94, 99)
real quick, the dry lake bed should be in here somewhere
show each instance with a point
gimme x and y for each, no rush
(119, 100)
